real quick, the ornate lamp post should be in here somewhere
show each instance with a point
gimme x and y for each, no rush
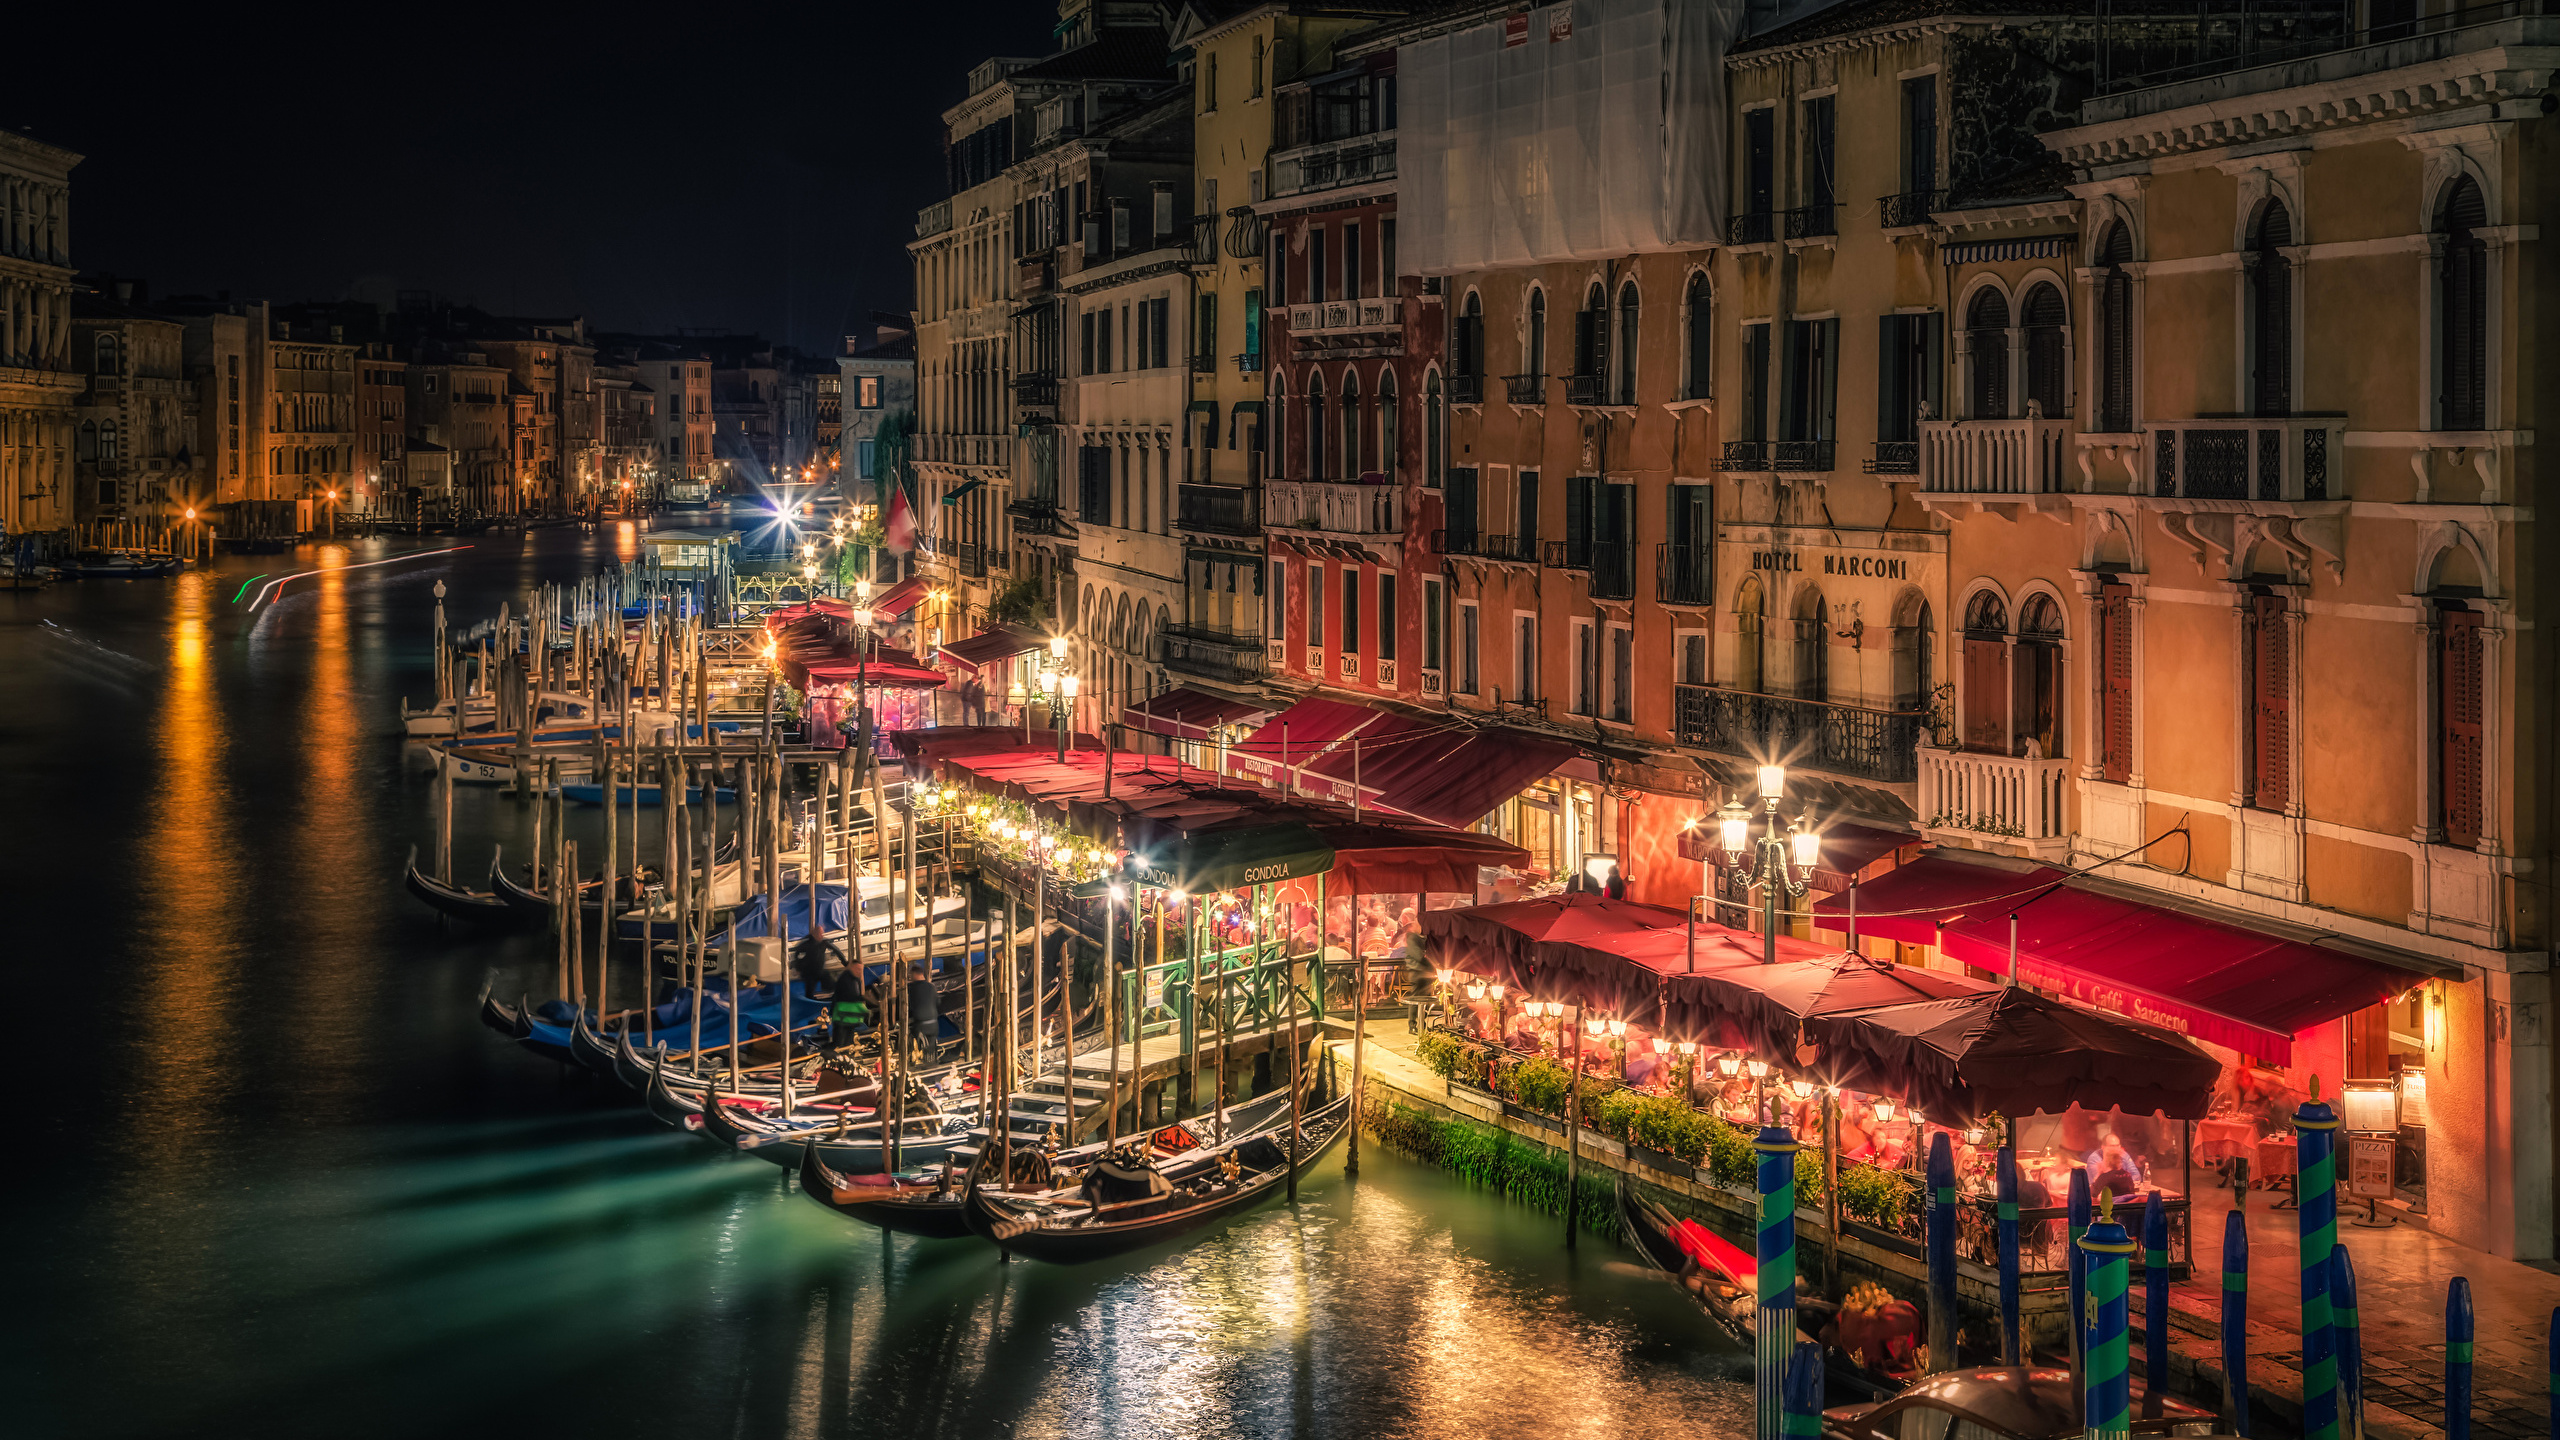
(1786, 860)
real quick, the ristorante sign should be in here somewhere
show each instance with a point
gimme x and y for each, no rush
(1855, 563)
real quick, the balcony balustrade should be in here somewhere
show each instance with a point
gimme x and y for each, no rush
(1332, 164)
(1812, 222)
(1846, 740)
(1466, 389)
(2006, 456)
(1520, 549)
(1212, 654)
(1895, 457)
(1613, 572)
(2003, 797)
(1751, 227)
(1346, 317)
(1684, 575)
(1912, 208)
(1335, 507)
(1525, 389)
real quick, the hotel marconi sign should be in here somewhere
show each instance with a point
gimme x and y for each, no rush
(1860, 564)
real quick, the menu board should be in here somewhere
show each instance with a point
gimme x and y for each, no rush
(2369, 1166)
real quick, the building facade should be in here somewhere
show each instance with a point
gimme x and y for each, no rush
(37, 382)
(135, 452)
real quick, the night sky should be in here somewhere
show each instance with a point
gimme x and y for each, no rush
(748, 167)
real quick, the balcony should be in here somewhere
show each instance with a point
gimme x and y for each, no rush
(1329, 318)
(1895, 457)
(1803, 457)
(933, 219)
(1745, 457)
(1249, 363)
(2243, 460)
(1517, 549)
(1466, 389)
(1525, 389)
(1912, 208)
(1335, 507)
(1850, 740)
(1995, 797)
(1752, 227)
(1813, 222)
(1683, 575)
(1219, 509)
(1457, 542)
(1035, 275)
(1613, 572)
(2009, 456)
(1036, 387)
(1212, 654)
(1204, 364)
(1034, 516)
(1333, 164)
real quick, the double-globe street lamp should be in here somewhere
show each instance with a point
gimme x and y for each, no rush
(1787, 857)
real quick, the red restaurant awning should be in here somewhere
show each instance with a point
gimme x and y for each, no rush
(1183, 713)
(900, 598)
(879, 674)
(2252, 988)
(999, 642)
(1471, 776)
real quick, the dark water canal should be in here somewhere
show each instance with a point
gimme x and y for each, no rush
(274, 1178)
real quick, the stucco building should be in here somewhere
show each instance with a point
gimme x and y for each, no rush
(37, 382)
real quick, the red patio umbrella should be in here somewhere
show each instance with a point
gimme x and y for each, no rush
(1762, 1008)
(1552, 941)
(2011, 1050)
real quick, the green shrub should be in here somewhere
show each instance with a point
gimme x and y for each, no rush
(1658, 1122)
(1612, 1112)
(1440, 1053)
(1882, 1198)
(1541, 1085)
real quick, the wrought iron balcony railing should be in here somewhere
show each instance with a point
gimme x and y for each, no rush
(1751, 227)
(1851, 740)
(1683, 575)
(1911, 208)
(1219, 509)
(1808, 222)
(1525, 389)
(1895, 457)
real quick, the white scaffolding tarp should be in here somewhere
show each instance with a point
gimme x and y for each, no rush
(1597, 130)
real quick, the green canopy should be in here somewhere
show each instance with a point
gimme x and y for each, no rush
(1231, 860)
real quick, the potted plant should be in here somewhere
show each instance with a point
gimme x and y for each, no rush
(1538, 1089)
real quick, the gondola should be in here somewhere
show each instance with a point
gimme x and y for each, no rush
(927, 1201)
(533, 901)
(478, 907)
(1174, 1199)
(1996, 1402)
(1720, 1285)
(496, 1013)
(649, 795)
(926, 1134)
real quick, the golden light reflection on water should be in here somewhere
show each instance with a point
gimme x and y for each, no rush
(331, 747)
(626, 541)
(186, 852)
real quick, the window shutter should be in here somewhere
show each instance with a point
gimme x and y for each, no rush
(2466, 334)
(2459, 684)
(2271, 701)
(2116, 670)
(1577, 520)
(2116, 359)
(1986, 695)
(1460, 502)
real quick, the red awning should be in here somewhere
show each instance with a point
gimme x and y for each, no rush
(900, 598)
(879, 674)
(1183, 713)
(1299, 734)
(1933, 887)
(1478, 772)
(2251, 987)
(1000, 642)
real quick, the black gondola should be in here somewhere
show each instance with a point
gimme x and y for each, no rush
(477, 907)
(926, 1136)
(1727, 1301)
(533, 900)
(1205, 1186)
(497, 1014)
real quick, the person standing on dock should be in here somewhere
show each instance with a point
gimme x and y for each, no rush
(924, 1015)
(849, 1007)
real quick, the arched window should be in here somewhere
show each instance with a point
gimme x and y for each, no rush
(1390, 427)
(2271, 312)
(1431, 430)
(85, 445)
(1698, 314)
(1813, 647)
(2115, 331)
(1534, 364)
(2039, 675)
(2048, 352)
(1591, 345)
(1466, 345)
(1629, 305)
(1986, 674)
(1315, 426)
(1915, 653)
(1747, 635)
(1277, 462)
(110, 361)
(2462, 335)
(1354, 463)
(1986, 324)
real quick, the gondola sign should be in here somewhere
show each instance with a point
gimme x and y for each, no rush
(1229, 860)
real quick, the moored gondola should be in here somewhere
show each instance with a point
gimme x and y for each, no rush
(1165, 1200)
(923, 1203)
(477, 907)
(536, 899)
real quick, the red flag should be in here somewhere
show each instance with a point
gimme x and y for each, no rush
(901, 525)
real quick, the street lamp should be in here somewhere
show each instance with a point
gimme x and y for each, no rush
(1782, 854)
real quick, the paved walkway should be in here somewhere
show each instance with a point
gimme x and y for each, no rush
(2401, 1275)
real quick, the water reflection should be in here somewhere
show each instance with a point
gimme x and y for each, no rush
(293, 1187)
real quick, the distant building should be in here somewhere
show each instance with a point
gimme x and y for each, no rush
(382, 428)
(878, 376)
(37, 387)
(133, 453)
(458, 401)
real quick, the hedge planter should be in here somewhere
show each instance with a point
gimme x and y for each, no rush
(1476, 1093)
(1667, 1164)
(1543, 1121)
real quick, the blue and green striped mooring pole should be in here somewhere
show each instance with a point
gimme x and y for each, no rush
(2107, 1379)
(2076, 1220)
(2342, 1320)
(2457, 1359)
(2235, 1321)
(1774, 1332)
(2155, 1305)
(1942, 1254)
(2315, 1129)
(1804, 1392)
(2006, 1164)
